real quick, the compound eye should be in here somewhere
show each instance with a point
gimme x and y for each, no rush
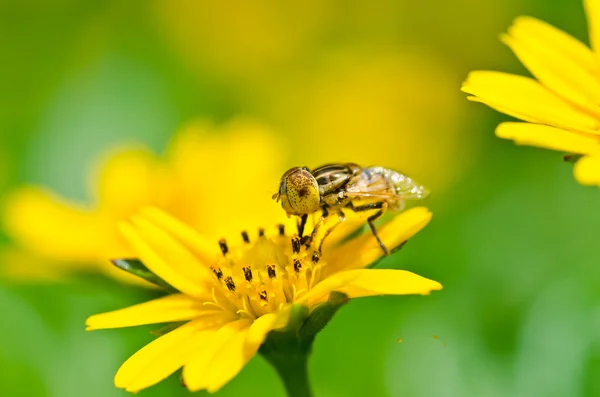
(302, 192)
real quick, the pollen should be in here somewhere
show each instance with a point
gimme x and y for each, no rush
(254, 278)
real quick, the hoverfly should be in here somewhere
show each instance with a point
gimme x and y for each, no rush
(335, 187)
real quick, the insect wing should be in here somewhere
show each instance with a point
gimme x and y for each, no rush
(382, 183)
(406, 188)
(370, 185)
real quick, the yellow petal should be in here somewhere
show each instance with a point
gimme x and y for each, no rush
(253, 170)
(372, 282)
(130, 177)
(163, 356)
(527, 99)
(194, 371)
(587, 170)
(173, 252)
(353, 222)
(365, 249)
(203, 250)
(171, 308)
(260, 328)
(528, 28)
(592, 11)
(159, 267)
(557, 60)
(32, 217)
(232, 357)
(368, 282)
(549, 137)
(22, 266)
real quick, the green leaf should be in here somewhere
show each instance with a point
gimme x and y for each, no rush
(137, 268)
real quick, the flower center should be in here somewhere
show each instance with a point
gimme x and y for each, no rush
(260, 276)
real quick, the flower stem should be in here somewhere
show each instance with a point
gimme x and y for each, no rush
(293, 371)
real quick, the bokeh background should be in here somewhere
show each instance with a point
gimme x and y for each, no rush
(514, 239)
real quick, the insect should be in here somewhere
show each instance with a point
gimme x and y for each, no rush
(336, 187)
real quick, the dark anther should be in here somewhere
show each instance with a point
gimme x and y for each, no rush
(296, 241)
(245, 237)
(297, 265)
(229, 283)
(261, 232)
(217, 271)
(306, 240)
(263, 295)
(315, 257)
(223, 245)
(281, 228)
(271, 271)
(247, 273)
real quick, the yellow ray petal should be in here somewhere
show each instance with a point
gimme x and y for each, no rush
(526, 98)
(173, 252)
(528, 28)
(171, 308)
(353, 222)
(511, 111)
(130, 177)
(587, 170)
(160, 358)
(592, 11)
(232, 357)
(159, 267)
(254, 165)
(202, 249)
(558, 61)
(549, 137)
(365, 249)
(368, 282)
(372, 282)
(195, 369)
(32, 217)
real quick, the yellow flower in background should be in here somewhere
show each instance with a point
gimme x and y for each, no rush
(374, 108)
(561, 107)
(204, 178)
(366, 101)
(231, 299)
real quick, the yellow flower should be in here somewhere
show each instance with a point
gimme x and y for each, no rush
(231, 298)
(203, 178)
(561, 107)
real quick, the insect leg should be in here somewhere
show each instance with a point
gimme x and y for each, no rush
(341, 218)
(370, 220)
(316, 226)
(301, 224)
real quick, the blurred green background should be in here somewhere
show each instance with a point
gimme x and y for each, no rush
(513, 239)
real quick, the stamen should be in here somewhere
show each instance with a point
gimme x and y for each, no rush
(247, 273)
(296, 241)
(263, 295)
(223, 246)
(245, 237)
(271, 271)
(256, 276)
(297, 265)
(218, 272)
(229, 283)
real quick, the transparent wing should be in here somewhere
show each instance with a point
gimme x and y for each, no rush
(406, 188)
(382, 183)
